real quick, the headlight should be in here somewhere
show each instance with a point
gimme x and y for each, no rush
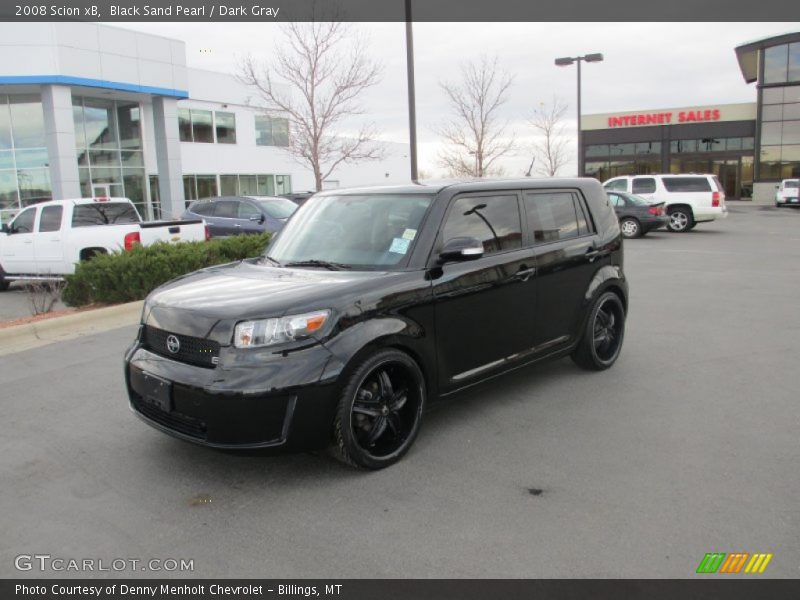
(268, 332)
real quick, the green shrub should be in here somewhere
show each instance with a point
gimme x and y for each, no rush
(128, 276)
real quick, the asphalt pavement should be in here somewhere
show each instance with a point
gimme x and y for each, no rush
(688, 445)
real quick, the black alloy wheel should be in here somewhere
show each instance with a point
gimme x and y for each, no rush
(602, 338)
(379, 411)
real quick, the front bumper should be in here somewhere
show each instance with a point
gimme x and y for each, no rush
(288, 401)
(791, 201)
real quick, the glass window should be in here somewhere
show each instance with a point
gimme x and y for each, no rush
(99, 122)
(616, 200)
(133, 158)
(5, 124)
(370, 230)
(686, 184)
(772, 112)
(133, 180)
(644, 185)
(791, 94)
(206, 186)
(770, 134)
(30, 159)
(248, 185)
(494, 220)
(185, 124)
(104, 158)
(228, 209)
(619, 184)
(202, 130)
(226, 127)
(202, 208)
(189, 188)
(551, 216)
(50, 220)
(794, 62)
(77, 119)
(27, 121)
(622, 149)
(776, 60)
(8, 190)
(648, 148)
(678, 146)
(791, 132)
(733, 144)
(710, 144)
(272, 131)
(24, 221)
(34, 185)
(748, 143)
(599, 150)
(228, 185)
(279, 208)
(772, 95)
(266, 185)
(791, 111)
(247, 210)
(104, 213)
(596, 169)
(130, 135)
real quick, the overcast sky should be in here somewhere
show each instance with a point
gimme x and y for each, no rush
(647, 66)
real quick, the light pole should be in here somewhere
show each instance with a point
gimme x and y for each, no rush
(412, 103)
(564, 62)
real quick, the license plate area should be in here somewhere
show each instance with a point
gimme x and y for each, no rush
(154, 391)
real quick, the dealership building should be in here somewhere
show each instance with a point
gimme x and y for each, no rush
(89, 110)
(750, 146)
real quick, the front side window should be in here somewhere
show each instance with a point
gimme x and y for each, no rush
(247, 210)
(553, 216)
(50, 219)
(494, 220)
(24, 221)
(369, 231)
(280, 208)
(104, 213)
(644, 185)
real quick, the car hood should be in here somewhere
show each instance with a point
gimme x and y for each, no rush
(214, 299)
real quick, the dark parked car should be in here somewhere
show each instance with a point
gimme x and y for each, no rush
(370, 303)
(636, 215)
(298, 198)
(232, 215)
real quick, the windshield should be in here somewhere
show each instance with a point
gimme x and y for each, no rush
(791, 184)
(370, 230)
(279, 208)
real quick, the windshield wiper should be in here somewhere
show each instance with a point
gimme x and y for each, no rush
(277, 263)
(333, 266)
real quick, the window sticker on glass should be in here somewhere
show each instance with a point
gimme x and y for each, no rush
(409, 234)
(399, 246)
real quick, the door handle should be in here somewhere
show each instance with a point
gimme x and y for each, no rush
(524, 273)
(236, 225)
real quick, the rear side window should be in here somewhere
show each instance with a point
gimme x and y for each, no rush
(226, 208)
(792, 184)
(202, 208)
(687, 184)
(554, 216)
(644, 185)
(616, 200)
(104, 213)
(494, 220)
(619, 184)
(51, 218)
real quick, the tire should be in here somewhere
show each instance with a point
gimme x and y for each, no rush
(603, 334)
(630, 227)
(680, 220)
(380, 411)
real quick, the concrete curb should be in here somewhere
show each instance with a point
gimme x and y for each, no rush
(58, 329)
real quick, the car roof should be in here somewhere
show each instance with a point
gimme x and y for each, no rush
(465, 185)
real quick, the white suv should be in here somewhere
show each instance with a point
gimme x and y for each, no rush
(787, 193)
(688, 199)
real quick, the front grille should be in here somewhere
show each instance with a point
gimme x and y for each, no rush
(176, 421)
(193, 350)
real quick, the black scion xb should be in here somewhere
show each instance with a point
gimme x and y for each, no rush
(372, 302)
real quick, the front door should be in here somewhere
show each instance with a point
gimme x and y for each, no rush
(484, 308)
(49, 241)
(18, 254)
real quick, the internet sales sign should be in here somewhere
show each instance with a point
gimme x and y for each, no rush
(665, 118)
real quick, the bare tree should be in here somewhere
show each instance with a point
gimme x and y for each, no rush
(551, 150)
(43, 295)
(316, 78)
(475, 137)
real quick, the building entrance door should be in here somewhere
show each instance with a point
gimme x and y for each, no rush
(727, 171)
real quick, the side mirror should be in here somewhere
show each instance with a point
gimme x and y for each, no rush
(257, 218)
(460, 249)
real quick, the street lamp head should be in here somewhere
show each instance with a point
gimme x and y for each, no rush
(564, 62)
(596, 57)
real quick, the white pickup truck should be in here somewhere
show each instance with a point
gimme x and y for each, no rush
(47, 240)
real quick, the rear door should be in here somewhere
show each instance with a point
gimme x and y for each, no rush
(484, 308)
(644, 187)
(49, 247)
(18, 255)
(565, 245)
(226, 217)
